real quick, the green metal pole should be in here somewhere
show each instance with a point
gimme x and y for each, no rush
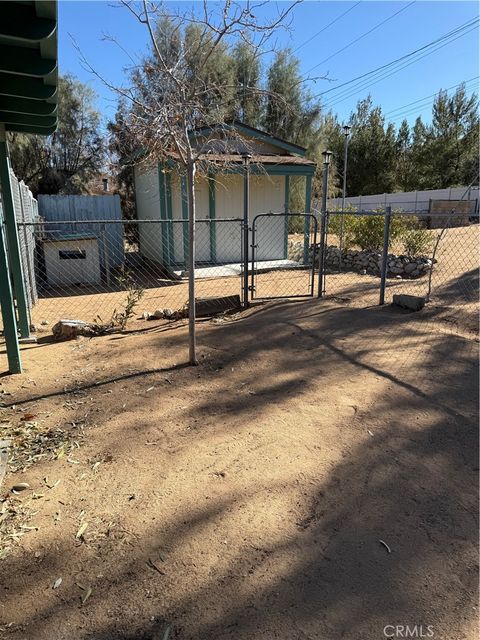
(12, 238)
(306, 223)
(8, 310)
(286, 209)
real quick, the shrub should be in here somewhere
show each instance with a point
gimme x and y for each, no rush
(126, 281)
(416, 241)
(348, 230)
(366, 232)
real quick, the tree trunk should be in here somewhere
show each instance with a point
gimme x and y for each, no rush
(191, 170)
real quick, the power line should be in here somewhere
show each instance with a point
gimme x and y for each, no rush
(414, 110)
(363, 35)
(362, 86)
(327, 26)
(384, 67)
(344, 95)
(465, 82)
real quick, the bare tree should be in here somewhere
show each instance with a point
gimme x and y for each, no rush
(179, 90)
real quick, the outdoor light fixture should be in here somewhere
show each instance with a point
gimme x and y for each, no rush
(326, 156)
(346, 129)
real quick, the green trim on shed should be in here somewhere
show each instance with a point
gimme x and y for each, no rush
(163, 215)
(275, 169)
(308, 208)
(168, 198)
(286, 209)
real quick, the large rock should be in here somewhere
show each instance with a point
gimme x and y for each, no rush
(71, 329)
(413, 303)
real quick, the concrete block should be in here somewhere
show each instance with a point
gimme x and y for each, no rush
(214, 305)
(413, 303)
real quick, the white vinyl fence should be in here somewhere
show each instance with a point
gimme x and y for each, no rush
(417, 201)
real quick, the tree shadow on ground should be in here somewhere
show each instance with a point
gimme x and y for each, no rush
(403, 472)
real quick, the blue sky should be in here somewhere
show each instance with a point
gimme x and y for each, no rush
(416, 24)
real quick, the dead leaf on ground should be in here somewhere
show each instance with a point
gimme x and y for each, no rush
(57, 583)
(28, 416)
(81, 530)
(87, 594)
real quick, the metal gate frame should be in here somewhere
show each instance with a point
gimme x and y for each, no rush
(308, 217)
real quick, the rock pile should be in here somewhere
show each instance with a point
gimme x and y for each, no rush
(366, 262)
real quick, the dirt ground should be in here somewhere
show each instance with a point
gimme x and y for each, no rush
(314, 477)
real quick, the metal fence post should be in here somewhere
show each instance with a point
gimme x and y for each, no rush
(321, 253)
(14, 256)
(8, 310)
(324, 222)
(306, 221)
(384, 265)
(246, 207)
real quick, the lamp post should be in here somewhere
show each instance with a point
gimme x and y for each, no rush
(323, 229)
(246, 209)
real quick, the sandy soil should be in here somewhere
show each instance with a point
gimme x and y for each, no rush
(248, 497)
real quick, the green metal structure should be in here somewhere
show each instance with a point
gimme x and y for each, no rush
(28, 104)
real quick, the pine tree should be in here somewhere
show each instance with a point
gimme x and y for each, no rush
(248, 102)
(454, 143)
(295, 117)
(405, 175)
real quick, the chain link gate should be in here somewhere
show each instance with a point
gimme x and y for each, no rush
(283, 255)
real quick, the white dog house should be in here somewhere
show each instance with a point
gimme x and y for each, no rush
(72, 259)
(161, 195)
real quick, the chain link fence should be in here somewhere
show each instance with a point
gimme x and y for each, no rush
(432, 256)
(292, 239)
(94, 270)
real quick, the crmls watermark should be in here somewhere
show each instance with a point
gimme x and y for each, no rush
(408, 631)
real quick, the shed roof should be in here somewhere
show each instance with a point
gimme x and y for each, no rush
(28, 66)
(246, 129)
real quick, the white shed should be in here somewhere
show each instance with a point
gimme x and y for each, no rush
(161, 195)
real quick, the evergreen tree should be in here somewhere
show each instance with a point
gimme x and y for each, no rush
(405, 174)
(371, 156)
(453, 148)
(248, 107)
(295, 116)
(67, 160)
